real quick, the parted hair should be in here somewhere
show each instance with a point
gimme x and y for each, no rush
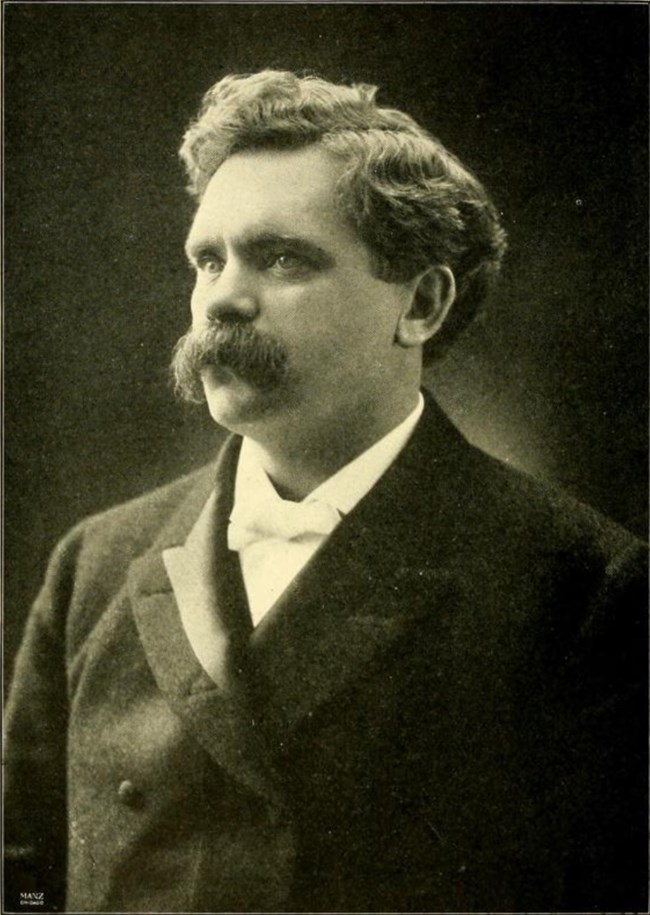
(412, 202)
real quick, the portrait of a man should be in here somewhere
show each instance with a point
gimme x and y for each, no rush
(353, 663)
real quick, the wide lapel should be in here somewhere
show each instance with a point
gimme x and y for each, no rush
(218, 713)
(382, 569)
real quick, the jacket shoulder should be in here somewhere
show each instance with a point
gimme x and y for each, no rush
(546, 517)
(89, 565)
(136, 523)
(491, 509)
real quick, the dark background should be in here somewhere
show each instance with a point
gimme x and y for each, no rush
(547, 103)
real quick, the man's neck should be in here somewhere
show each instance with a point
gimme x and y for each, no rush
(299, 460)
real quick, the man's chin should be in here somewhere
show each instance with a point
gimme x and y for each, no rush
(234, 403)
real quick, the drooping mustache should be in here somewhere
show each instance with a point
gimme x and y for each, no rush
(256, 358)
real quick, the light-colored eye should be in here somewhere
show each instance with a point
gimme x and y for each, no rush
(289, 265)
(209, 263)
(288, 262)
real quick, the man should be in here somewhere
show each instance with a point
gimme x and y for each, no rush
(358, 665)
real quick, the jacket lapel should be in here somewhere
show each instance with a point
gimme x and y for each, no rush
(378, 574)
(216, 707)
(384, 568)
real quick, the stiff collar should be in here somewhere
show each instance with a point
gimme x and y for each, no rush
(345, 488)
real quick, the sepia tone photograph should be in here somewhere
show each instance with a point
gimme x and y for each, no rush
(325, 457)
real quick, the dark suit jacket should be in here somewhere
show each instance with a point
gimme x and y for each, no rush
(445, 712)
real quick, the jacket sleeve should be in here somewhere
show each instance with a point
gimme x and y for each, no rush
(34, 754)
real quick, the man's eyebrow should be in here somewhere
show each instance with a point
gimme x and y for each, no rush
(261, 241)
(297, 244)
(194, 247)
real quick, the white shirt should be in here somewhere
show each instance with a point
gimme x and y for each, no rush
(269, 566)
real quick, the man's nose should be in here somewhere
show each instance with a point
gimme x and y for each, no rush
(228, 297)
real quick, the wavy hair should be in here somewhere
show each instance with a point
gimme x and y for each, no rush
(412, 202)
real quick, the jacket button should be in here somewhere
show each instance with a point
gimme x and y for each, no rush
(129, 794)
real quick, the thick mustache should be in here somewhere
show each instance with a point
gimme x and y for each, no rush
(256, 358)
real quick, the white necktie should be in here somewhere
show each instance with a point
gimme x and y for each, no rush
(280, 520)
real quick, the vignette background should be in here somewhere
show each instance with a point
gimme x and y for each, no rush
(547, 103)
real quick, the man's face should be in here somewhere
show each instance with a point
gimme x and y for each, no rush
(277, 264)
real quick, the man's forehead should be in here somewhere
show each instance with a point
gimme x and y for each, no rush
(308, 161)
(275, 180)
(273, 192)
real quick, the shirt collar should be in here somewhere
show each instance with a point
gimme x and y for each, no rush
(354, 480)
(345, 488)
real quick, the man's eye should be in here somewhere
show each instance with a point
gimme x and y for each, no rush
(208, 263)
(288, 263)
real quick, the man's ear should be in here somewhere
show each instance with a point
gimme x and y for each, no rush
(433, 296)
